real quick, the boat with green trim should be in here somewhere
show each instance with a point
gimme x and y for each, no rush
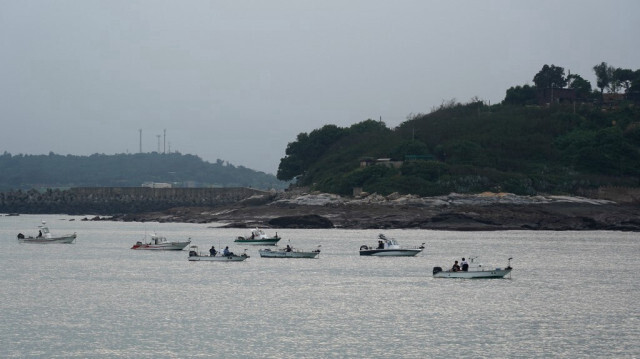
(258, 237)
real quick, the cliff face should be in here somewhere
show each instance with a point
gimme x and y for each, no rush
(118, 200)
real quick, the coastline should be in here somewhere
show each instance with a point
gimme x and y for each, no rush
(458, 212)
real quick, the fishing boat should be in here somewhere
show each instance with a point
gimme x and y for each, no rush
(157, 242)
(45, 236)
(258, 237)
(475, 271)
(389, 247)
(196, 256)
(289, 252)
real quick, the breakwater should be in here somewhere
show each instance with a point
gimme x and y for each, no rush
(116, 200)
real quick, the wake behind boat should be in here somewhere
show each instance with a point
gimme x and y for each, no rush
(475, 271)
(160, 243)
(288, 252)
(258, 237)
(196, 256)
(389, 247)
(45, 236)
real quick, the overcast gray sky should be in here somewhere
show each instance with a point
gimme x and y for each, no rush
(238, 80)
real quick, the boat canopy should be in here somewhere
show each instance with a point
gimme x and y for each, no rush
(388, 242)
(45, 230)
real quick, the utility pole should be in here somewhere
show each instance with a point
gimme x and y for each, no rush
(164, 149)
(140, 130)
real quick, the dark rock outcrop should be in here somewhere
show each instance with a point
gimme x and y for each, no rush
(306, 221)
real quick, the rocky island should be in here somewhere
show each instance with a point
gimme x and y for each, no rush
(464, 212)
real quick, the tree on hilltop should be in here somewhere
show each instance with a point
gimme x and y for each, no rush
(550, 77)
(581, 86)
(604, 75)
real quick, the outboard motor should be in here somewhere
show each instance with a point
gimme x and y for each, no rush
(437, 270)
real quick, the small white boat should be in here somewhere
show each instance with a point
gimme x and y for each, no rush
(160, 243)
(389, 247)
(475, 271)
(196, 256)
(258, 236)
(288, 252)
(45, 236)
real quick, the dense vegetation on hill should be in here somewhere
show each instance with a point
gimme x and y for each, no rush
(513, 147)
(125, 170)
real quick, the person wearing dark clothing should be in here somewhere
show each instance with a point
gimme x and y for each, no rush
(456, 267)
(213, 251)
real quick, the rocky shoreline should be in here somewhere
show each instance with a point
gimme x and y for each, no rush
(462, 212)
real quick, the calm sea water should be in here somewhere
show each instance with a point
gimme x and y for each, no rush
(571, 294)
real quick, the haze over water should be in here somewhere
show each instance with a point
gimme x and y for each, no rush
(571, 294)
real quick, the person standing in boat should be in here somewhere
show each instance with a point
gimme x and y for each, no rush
(464, 265)
(456, 267)
(39, 234)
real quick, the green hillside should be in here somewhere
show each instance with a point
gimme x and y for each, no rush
(556, 136)
(473, 148)
(125, 170)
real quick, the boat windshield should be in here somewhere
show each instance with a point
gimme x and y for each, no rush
(258, 233)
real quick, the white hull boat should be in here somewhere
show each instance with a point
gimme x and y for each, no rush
(258, 237)
(206, 258)
(289, 252)
(44, 236)
(475, 271)
(159, 243)
(389, 247)
(196, 256)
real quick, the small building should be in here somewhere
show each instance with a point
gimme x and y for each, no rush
(365, 162)
(555, 95)
(388, 163)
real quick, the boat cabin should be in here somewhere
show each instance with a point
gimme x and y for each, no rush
(44, 230)
(388, 243)
(155, 239)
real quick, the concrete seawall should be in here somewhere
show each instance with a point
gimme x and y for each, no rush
(114, 200)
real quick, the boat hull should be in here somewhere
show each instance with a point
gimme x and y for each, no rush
(171, 246)
(218, 258)
(486, 274)
(390, 252)
(64, 239)
(266, 253)
(262, 242)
